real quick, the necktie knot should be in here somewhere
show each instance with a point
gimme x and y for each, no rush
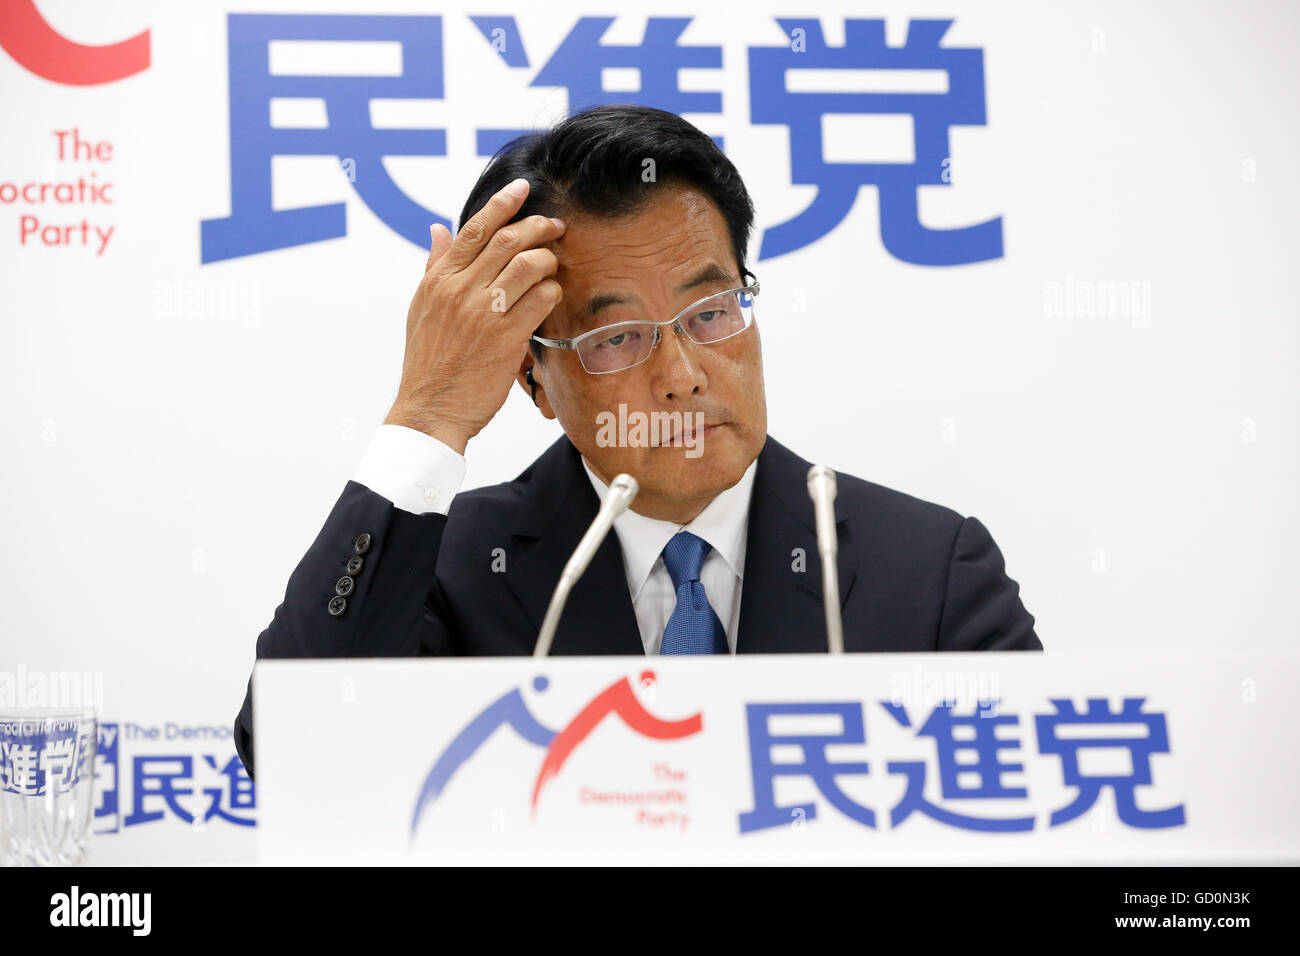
(692, 628)
(684, 556)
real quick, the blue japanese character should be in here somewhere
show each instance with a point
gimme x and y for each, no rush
(106, 780)
(1140, 748)
(579, 61)
(253, 225)
(240, 789)
(986, 767)
(151, 782)
(933, 113)
(502, 34)
(813, 764)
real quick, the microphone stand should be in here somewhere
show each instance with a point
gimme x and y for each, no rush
(621, 492)
(821, 489)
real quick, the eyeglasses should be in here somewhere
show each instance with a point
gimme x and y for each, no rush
(614, 348)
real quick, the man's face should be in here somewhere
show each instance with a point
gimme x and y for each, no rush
(654, 262)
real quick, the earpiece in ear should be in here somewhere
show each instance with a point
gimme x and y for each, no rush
(528, 377)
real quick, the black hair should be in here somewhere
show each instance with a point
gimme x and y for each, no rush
(594, 162)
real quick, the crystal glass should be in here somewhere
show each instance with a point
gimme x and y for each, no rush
(47, 783)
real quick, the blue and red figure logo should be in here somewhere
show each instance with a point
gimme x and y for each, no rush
(618, 698)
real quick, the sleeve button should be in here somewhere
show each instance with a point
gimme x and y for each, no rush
(354, 563)
(338, 605)
(343, 586)
(362, 543)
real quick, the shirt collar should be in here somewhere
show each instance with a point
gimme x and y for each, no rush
(724, 524)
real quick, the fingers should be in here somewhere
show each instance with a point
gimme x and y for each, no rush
(496, 212)
(439, 242)
(522, 272)
(508, 243)
(535, 305)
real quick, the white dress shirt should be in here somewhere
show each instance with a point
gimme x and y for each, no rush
(420, 474)
(414, 471)
(724, 524)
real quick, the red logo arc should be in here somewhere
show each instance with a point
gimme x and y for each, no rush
(619, 698)
(36, 45)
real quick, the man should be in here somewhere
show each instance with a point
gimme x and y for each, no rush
(601, 265)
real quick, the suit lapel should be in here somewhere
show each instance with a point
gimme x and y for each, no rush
(781, 608)
(558, 506)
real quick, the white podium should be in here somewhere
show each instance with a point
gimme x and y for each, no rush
(859, 758)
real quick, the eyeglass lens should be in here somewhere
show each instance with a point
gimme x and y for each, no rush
(713, 320)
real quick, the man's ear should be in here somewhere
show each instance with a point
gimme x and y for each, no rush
(530, 379)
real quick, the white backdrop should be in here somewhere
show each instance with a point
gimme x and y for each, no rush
(175, 433)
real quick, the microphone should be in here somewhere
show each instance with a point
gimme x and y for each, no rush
(821, 489)
(619, 497)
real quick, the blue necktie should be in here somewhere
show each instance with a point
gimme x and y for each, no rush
(693, 627)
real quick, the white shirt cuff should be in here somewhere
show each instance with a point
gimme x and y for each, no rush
(416, 472)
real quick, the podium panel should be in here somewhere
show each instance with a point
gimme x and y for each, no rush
(859, 758)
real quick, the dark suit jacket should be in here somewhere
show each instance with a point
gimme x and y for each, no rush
(914, 576)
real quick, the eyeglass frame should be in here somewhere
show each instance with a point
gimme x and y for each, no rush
(675, 321)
